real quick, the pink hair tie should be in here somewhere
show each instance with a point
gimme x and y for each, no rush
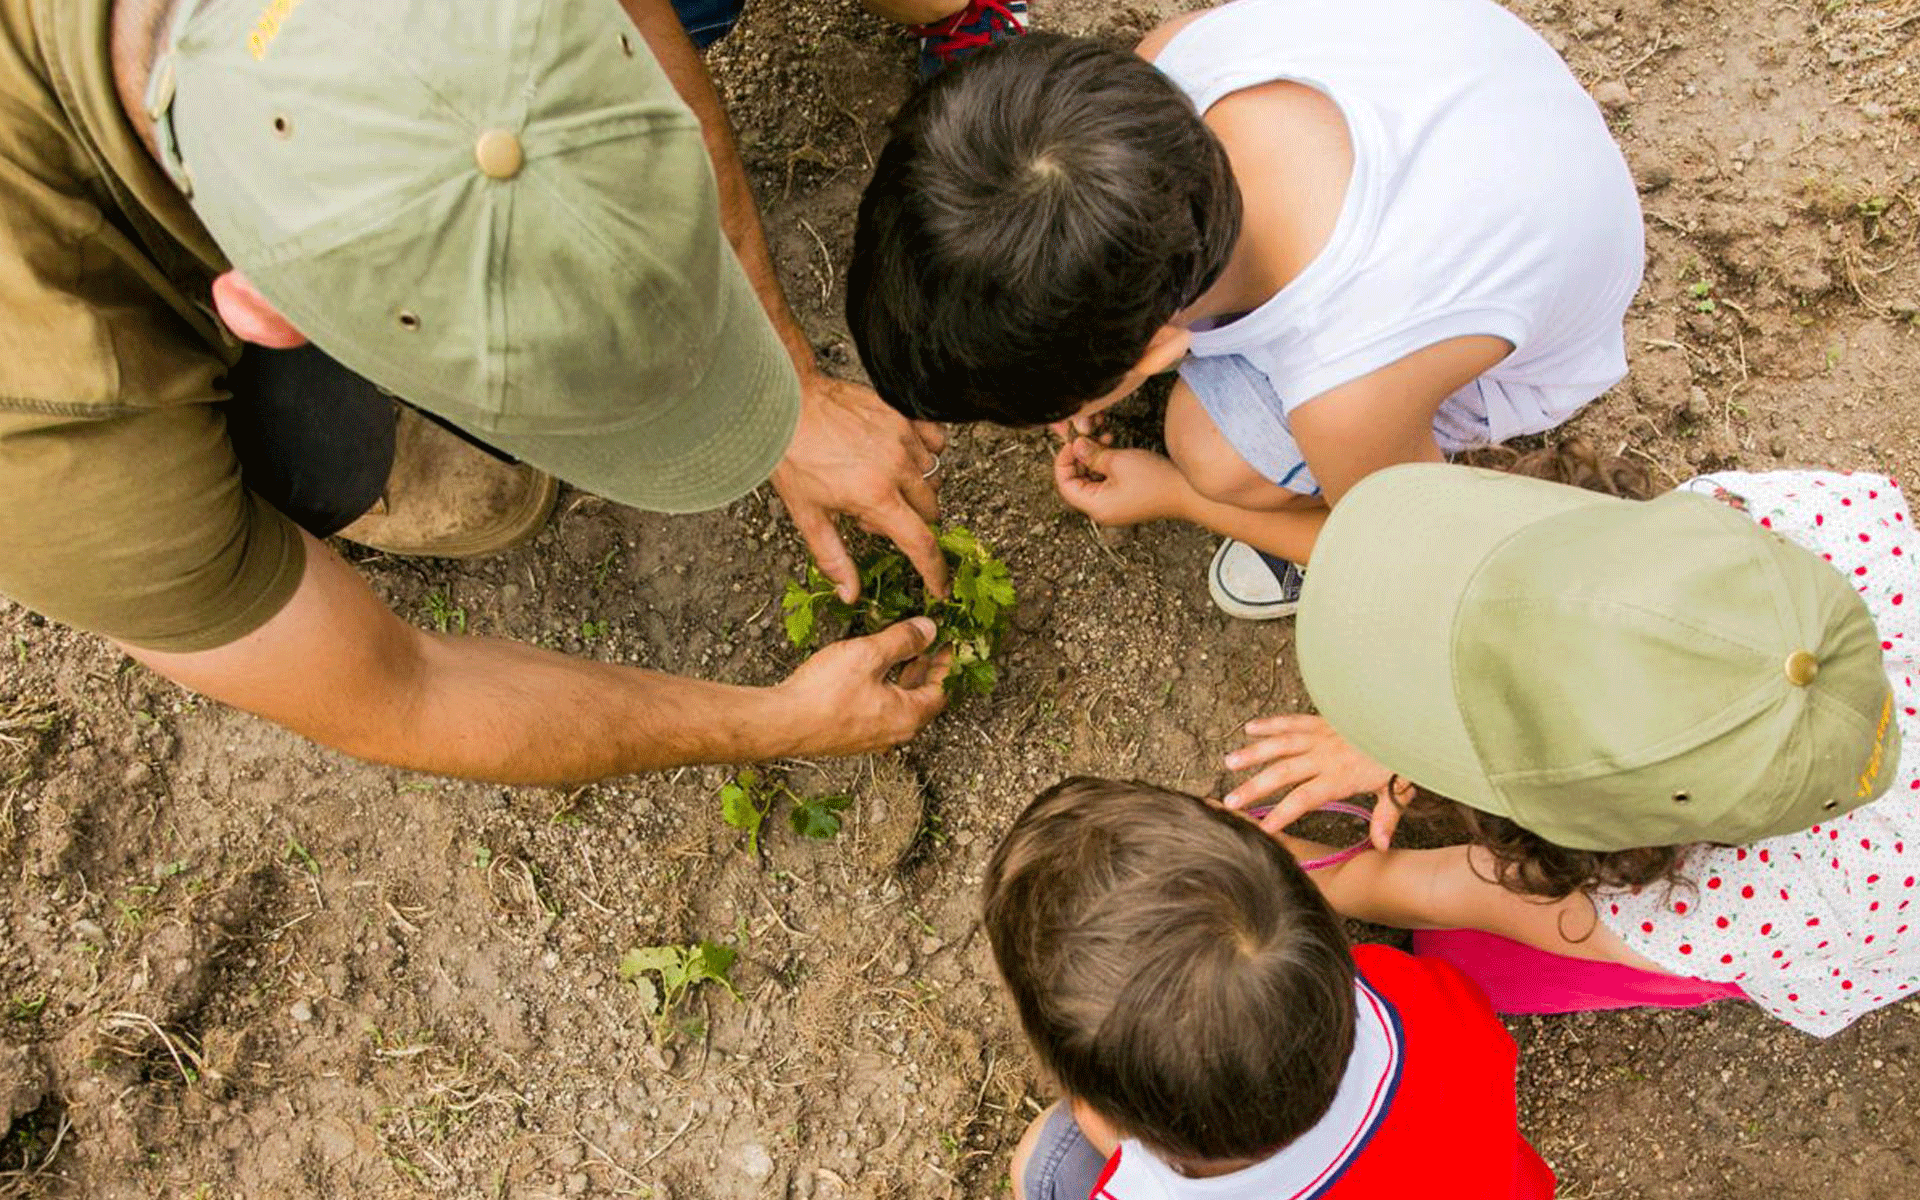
(1338, 856)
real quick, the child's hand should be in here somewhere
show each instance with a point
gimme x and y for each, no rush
(1077, 426)
(1306, 755)
(1118, 487)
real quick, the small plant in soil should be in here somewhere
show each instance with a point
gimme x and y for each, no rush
(664, 975)
(27, 1008)
(748, 798)
(971, 621)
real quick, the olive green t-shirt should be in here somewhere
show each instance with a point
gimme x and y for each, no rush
(121, 505)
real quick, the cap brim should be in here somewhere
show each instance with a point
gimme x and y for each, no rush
(1375, 630)
(717, 442)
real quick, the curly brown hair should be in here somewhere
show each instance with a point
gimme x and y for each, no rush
(1529, 864)
(1572, 461)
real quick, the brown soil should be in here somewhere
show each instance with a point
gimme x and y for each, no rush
(232, 964)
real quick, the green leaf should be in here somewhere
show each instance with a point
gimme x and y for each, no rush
(736, 808)
(798, 604)
(743, 807)
(818, 816)
(648, 958)
(972, 679)
(712, 962)
(959, 540)
(996, 583)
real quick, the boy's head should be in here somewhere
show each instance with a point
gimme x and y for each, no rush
(1040, 212)
(1173, 968)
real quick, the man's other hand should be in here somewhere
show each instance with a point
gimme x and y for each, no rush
(852, 454)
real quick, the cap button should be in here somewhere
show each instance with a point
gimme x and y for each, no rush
(1801, 668)
(499, 155)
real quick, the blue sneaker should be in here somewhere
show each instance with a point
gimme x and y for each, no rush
(980, 23)
(1253, 585)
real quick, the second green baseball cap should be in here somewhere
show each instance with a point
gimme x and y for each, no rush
(1607, 673)
(502, 213)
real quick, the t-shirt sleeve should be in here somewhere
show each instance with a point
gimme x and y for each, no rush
(138, 527)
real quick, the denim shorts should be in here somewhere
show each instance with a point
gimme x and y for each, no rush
(1064, 1166)
(707, 21)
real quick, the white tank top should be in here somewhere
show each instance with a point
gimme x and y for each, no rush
(1487, 197)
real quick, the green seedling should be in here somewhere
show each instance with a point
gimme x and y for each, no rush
(1702, 293)
(664, 975)
(604, 568)
(447, 617)
(27, 1008)
(300, 854)
(971, 621)
(747, 800)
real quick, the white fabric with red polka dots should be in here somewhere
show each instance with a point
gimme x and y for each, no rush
(1823, 926)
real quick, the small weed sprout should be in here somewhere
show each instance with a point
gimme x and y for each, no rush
(446, 616)
(300, 854)
(663, 975)
(971, 621)
(27, 1008)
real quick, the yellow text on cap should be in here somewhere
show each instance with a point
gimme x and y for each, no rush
(1872, 770)
(272, 17)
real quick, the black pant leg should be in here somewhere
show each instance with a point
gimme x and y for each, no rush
(313, 438)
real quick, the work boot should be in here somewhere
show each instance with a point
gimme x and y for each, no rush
(447, 498)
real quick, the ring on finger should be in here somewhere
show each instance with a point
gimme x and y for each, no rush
(928, 473)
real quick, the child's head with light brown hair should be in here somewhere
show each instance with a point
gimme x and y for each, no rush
(1174, 969)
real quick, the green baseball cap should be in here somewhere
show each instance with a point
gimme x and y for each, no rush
(1607, 673)
(503, 213)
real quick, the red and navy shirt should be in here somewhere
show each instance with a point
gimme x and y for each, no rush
(1428, 1099)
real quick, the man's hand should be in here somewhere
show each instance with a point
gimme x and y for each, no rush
(854, 707)
(1119, 487)
(1320, 767)
(852, 454)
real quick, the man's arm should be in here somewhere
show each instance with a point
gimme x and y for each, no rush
(336, 665)
(852, 454)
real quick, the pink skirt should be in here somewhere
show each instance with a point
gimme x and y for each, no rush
(1520, 979)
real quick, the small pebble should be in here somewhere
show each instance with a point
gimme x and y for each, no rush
(301, 1011)
(755, 1163)
(1612, 95)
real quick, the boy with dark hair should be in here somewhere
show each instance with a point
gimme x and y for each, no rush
(1367, 234)
(1183, 983)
